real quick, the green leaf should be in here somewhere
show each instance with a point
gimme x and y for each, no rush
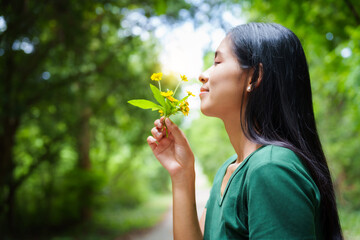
(145, 104)
(157, 95)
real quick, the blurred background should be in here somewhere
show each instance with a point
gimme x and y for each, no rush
(74, 163)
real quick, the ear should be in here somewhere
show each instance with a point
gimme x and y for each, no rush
(260, 77)
(252, 84)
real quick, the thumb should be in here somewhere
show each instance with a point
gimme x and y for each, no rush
(175, 131)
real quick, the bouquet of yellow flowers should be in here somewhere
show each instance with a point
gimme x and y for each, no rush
(167, 103)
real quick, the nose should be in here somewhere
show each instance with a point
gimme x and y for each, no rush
(204, 76)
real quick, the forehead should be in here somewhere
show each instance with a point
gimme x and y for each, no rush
(225, 48)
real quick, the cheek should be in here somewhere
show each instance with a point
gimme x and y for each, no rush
(226, 98)
(221, 103)
(231, 98)
(227, 91)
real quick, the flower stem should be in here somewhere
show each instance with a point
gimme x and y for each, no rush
(159, 86)
(167, 134)
(176, 88)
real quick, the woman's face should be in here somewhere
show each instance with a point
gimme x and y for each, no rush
(223, 84)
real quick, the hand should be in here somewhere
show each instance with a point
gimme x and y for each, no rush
(173, 152)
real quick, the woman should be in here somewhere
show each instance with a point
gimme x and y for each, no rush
(278, 185)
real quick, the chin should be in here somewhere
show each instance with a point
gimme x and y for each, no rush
(203, 110)
(207, 111)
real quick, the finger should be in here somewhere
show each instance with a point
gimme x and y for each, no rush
(162, 120)
(157, 133)
(152, 143)
(175, 131)
(158, 123)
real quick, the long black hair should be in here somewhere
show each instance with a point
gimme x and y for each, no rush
(279, 109)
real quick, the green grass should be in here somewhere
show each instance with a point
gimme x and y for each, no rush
(350, 222)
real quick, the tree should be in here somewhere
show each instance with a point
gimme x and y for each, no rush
(64, 65)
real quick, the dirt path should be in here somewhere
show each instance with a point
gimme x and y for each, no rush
(164, 230)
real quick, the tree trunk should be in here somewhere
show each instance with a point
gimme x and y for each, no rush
(7, 166)
(84, 139)
(84, 162)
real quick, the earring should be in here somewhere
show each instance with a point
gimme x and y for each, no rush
(249, 89)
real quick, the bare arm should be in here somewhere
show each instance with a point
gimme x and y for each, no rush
(174, 153)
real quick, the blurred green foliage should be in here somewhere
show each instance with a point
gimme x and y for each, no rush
(70, 145)
(73, 151)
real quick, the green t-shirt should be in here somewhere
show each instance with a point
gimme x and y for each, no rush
(270, 195)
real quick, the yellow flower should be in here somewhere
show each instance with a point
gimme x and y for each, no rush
(184, 108)
(167, 94)
(184, 104)
(184, 78)
(172, 99)
(156, 76)
(185, 111)
(161, 112)
(190, 93)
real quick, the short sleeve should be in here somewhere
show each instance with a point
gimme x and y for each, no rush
(281, 203)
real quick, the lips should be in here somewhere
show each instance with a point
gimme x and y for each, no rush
(203, 90)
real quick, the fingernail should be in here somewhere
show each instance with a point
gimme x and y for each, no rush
(168, 121)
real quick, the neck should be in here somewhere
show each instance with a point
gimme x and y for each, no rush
(242, 145)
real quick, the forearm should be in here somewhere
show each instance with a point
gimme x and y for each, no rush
(186, 223)
(175, 154)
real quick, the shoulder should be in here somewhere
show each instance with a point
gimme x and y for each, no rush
(279, 167)
(272, 156)
(280, 192)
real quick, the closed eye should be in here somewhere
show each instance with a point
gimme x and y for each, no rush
(216, 63)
